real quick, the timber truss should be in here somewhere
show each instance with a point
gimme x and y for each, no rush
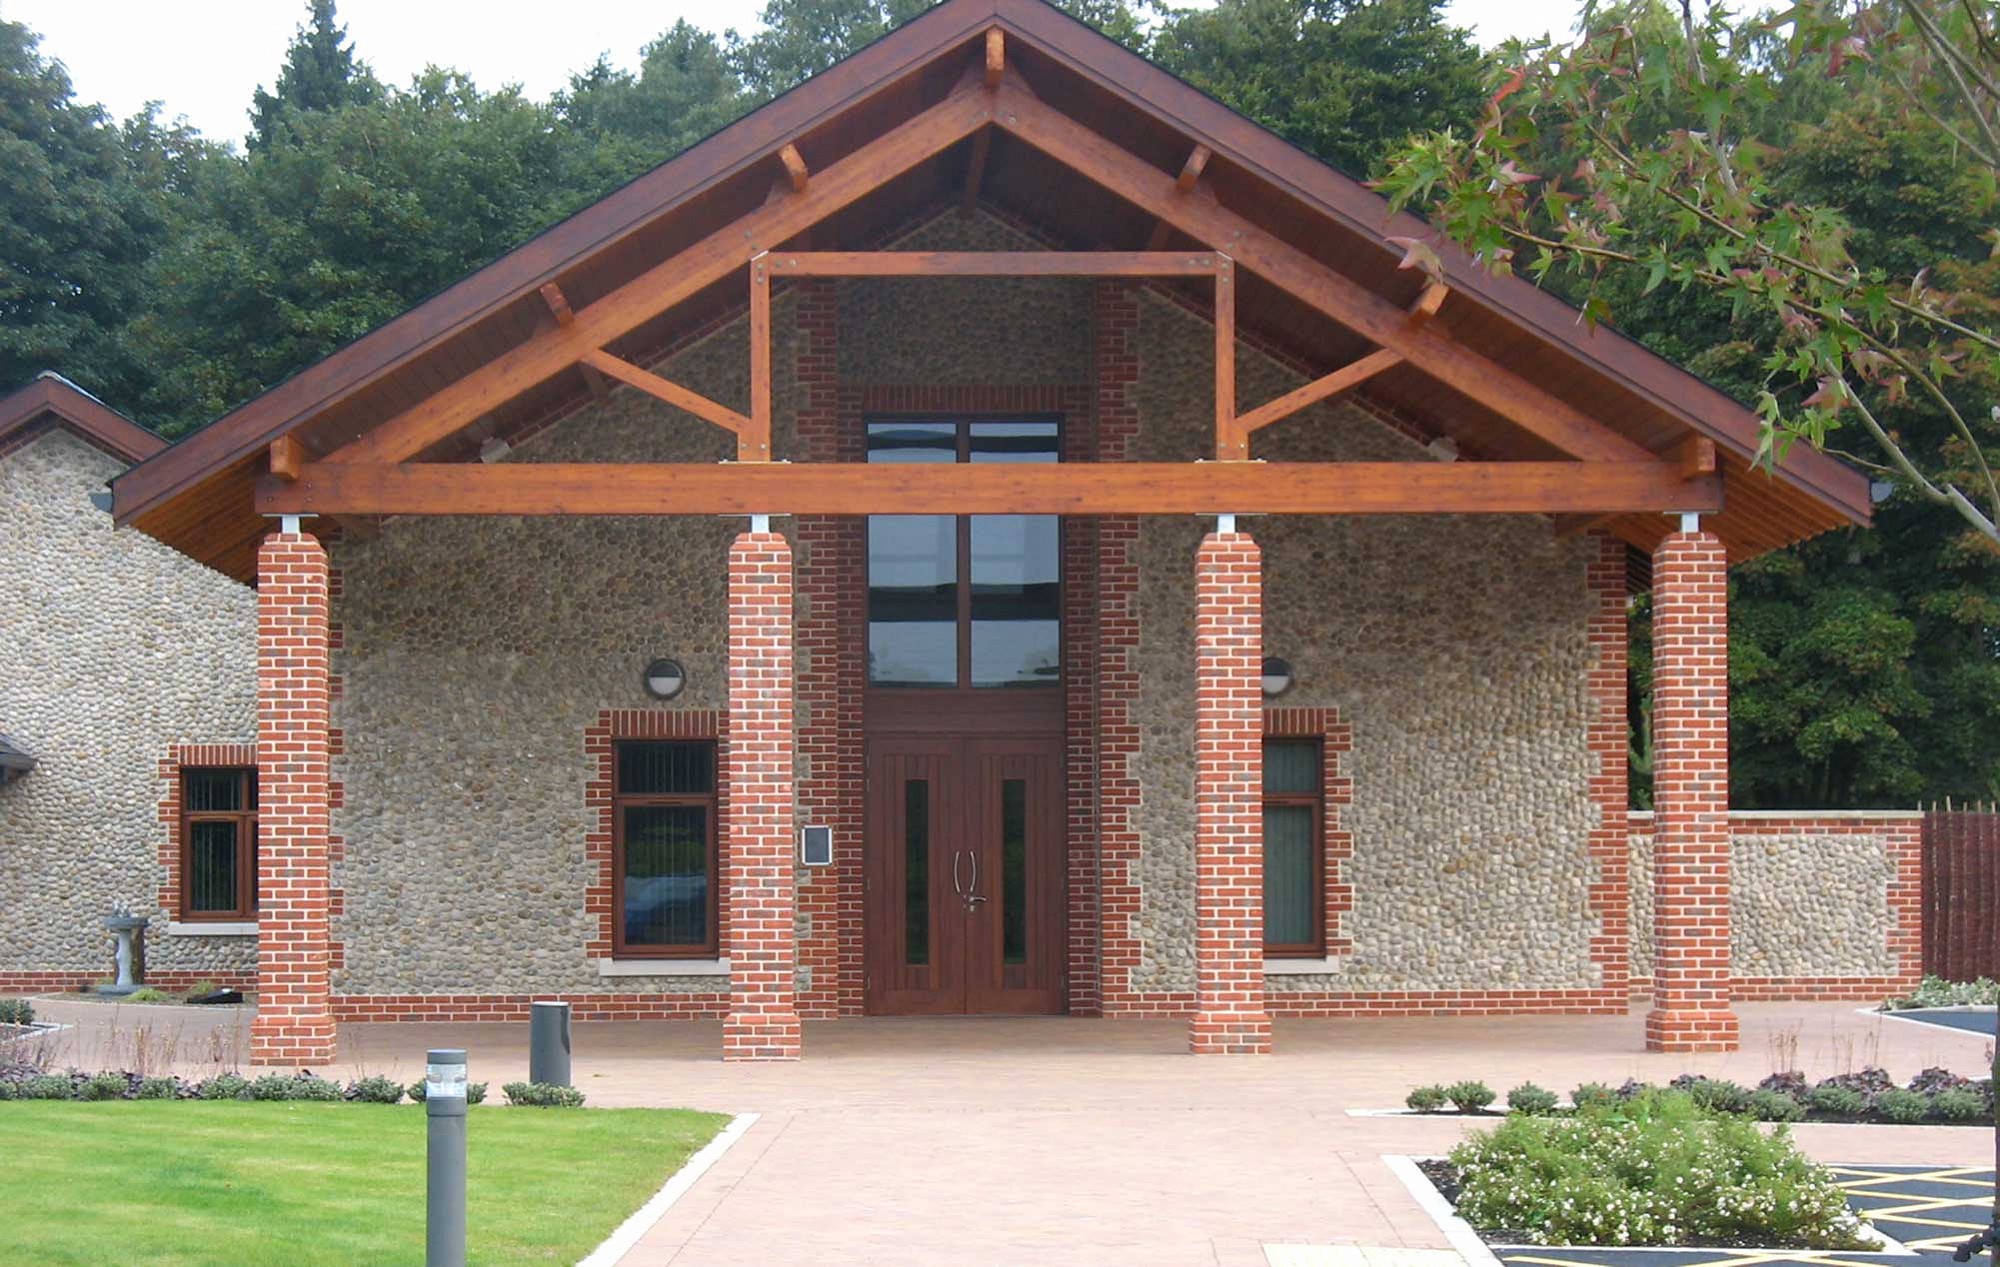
(380, 472)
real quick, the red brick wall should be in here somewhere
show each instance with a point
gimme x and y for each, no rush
(1691, 797)
(1611, 743)
(762, 1022)
(293, 1024)
(1229, 813)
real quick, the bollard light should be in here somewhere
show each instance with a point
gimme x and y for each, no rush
(444, 1158)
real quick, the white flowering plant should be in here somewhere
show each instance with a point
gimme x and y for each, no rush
(1653, 1170)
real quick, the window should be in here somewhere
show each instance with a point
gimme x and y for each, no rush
(218, 843)
(964, 600)
(1294, 827)
(663, 841)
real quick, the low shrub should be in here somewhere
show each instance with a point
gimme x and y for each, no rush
(1775, 1106)
(1903, 1106)
(1957, 1104)
(9, 1091)
(104, 1086)
(1838, 1101)
(157, 1089)
(1936, 1079)
(1531, 1099)
(1592, 1093)
(375, 1090)
(48, 1086)
(1791, 1083)
(1653, 1170)
(147, 994)
(546, 1095)
(475, 1092)
(224, 1086)
(1632, 1089)
(1870, 1082)
(1469, 1097)
(1426, 1099)
(1938, 992)
(16, 1012)
(1717, 1095)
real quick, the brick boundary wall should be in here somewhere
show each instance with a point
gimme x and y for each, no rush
(762, 1022)
(293, 1023)
(180, 756)
(1337, 792)
(600, 750)
(1905, 832)
(514, 1007)
(1691, 844)
(1229, 1016)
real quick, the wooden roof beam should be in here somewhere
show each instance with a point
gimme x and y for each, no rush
(671, 281)
(996, 263)
(288, 457)
(1428, 348)
(1350, 488)
(975, 170)
(1428, 303)
(1184, 184)
(796, 171)
(667, 390)
(1344, 379)
(996, 58)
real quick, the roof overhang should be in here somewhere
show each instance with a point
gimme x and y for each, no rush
(50, 400)
(1314, 229)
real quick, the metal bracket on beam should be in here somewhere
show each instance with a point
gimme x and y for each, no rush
(1690, 521)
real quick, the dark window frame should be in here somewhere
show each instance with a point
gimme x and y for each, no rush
(245, 821)
(620, 802)
(1314, 800)
(962, 424)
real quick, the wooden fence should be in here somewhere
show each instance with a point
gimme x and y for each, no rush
(1962, 892)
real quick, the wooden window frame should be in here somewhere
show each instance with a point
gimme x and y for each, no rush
(245, 821)
(1314, 800)
(712, 802)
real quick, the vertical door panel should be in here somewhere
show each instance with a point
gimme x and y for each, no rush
(914, 918)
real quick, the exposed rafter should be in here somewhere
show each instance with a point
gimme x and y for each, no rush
(1184, 184)
(1352, 488)
(1346, 378)
(796, 172)
(288, 457)
(1385, 323)
(665, 284)
(1428, 303)
(996, 58)
(667, 390)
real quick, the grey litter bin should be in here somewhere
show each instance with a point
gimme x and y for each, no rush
(548, 1043)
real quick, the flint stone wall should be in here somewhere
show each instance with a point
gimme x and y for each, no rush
(113, 648)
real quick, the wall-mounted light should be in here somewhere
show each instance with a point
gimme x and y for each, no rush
(665, 678)
(1277, 676)
(1444, 449)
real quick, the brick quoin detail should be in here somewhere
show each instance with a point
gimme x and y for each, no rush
(179, 756)
(1337, 792)
(1610, 742)
(600, 748)
(1229, 1016)
(763, 1020)
(1691, 1009)
(294, 1025)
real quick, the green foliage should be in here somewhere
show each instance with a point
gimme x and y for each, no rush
(157, 1089)
(321, 75)
(475, 1092)
(1469, 1097)
(48, 1086)
(104, 1086)
(1938, 992)
(1899, 1105)
(1426, 1099)
(1716, 1095)
(16, 1012)
(1531, 1099)
(149, 994)
(375, 1089)
(1591, 1094)
(1837, 1101)
(1343, 81)
(1653, 1170)
(1775, 1106)
(542, 1095)
(224, 1086)
(1959, 1105)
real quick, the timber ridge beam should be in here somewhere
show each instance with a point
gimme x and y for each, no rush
(1353, 488)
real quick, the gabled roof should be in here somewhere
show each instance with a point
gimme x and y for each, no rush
(197, 495)
(50, 400)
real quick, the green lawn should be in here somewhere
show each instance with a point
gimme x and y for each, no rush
(295, 1184)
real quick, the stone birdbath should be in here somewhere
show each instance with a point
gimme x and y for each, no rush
(126, 929)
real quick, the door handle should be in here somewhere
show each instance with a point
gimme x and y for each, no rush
(974, 897)
(956, 885)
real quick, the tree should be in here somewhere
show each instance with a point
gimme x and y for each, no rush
(685, 90)
(321, 74)
(1342, 79)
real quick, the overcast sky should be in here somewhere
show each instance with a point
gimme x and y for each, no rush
(203, 57)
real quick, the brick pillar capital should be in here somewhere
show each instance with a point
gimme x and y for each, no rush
(1229, 1015)
(1691, 845)
(294, 1024)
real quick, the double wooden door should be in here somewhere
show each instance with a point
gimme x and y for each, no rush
(965, 859)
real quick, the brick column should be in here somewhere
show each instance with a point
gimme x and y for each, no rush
(294, 1025)
(1229, 1016)
(763, 1019)
(1690, 797)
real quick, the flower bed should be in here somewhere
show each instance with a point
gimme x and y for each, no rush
(27, 1082)
(1655, 1169)
(1938, 992)
(1935, 1097)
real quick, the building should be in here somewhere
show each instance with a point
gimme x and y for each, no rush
(994, 531)
(127, 671)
